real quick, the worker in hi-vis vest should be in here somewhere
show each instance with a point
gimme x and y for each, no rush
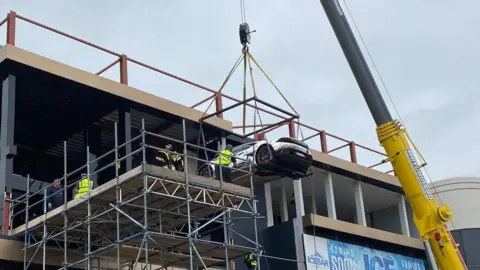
(83, 186)
(251, 261)
(163, 157)
(223, 163)
(177, 161)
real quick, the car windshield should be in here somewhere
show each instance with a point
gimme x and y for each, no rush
(242, 147)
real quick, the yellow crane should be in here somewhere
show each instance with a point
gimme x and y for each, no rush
(430, 219)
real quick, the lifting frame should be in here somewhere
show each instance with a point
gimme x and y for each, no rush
(107, 225)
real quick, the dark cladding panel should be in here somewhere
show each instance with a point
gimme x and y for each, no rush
(469, 241)
(279, 241)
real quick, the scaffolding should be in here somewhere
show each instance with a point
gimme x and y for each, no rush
(149, 216)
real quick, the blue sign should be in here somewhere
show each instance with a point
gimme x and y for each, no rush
(323, 253)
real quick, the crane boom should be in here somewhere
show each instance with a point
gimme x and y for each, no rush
(428, 216)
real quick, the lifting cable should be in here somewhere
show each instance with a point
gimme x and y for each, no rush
(417, 152)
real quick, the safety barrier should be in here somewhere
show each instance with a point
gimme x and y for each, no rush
(123, 60)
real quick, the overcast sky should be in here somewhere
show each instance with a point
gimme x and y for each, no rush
(427, 54)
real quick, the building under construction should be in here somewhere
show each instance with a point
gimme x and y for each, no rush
(142, 216)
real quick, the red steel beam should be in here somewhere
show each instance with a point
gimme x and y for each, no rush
(202, 101)
(107, 67)
(323, 141)
(68, 35)
(377, 164)
(219, 105)
(353, 152)
(291, 129)
(3, 21)
(311, 136)
(338, 148)
(124, 69)
(370, 149)
(11, 26)
(252, 126)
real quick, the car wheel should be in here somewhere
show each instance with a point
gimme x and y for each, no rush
(264, 154)
(206, 171)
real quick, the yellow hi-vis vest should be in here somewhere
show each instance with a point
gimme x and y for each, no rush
(84, 186)
(251, 259)
(176, 157)
(225, 157)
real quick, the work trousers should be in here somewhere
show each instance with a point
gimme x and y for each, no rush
(226, 173)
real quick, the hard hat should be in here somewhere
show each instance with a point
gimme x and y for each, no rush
(229, 147)
(84, 175)
(168, 146)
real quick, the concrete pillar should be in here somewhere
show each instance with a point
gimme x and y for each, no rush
(268, 202)
(298, 194)
(283, 203)
(329, 196)
(360, 208)
(402, 211)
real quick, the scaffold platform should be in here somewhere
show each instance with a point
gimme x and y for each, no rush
(164, 199)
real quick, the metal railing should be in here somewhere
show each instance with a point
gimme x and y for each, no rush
(123, 60)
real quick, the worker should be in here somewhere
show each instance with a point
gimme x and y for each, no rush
(54, 195)
(177, 161)
(251, 261)
(84, 186)
(222, 164)
(163, 157)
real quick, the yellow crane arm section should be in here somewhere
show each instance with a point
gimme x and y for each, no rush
(428, 216)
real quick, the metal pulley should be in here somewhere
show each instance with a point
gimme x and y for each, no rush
(244, 33)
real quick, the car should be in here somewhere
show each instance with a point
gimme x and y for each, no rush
(283, 156)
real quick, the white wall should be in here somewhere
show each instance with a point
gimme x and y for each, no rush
(462, 195)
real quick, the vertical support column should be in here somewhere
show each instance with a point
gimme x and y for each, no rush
(123, 69)
(7, 127)
(298, 195)
(402, 211)
(125, 135)
(219, 104)
(223, 143)
(269, 204)
(323, 141)
(360, 208)
(329, 196)
(6, 213)
(291, 129)
(297, 184)
(11, 26)
(283, 203)
(353, 152)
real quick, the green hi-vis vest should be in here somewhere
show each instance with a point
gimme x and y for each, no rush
(84, 186)
(225, 157)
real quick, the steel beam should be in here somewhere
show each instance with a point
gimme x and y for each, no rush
(125, 129)
(7, 148)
